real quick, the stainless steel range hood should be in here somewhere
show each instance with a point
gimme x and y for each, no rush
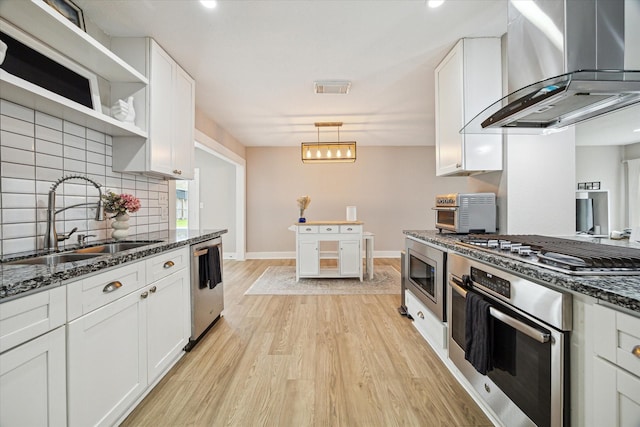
(565, 63)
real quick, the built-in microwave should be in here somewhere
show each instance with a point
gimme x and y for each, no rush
(466, 213)
(425, 275)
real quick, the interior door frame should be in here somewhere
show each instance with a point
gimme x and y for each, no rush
(213, 147)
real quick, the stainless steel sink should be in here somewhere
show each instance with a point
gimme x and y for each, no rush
(54, 259)
(111, 248)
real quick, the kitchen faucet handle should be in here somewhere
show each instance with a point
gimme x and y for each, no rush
(61, 237)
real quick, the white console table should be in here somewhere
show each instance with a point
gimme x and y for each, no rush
(348, 234)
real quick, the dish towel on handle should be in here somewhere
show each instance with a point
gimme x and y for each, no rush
(478, 341)
(214, 266)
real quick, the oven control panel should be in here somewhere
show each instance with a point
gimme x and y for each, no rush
(494, 283)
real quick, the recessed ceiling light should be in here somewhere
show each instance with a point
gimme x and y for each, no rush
(209, 4)
(637, 130)
(435, 3)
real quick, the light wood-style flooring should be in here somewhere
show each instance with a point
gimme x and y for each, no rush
(331, 360)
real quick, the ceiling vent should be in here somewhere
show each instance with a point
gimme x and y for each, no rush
(332, 86)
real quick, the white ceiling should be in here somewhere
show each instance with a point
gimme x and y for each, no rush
(255, 61)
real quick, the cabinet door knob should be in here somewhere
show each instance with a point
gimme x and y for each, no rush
(636, 351)
(177, 171)
(349, 229)
(144, 294)
(168, 264)
(421, 315)
(153, 289)
(111, 287)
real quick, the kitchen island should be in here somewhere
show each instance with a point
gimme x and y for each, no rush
(603, 345)
(309, 237)
(620, 291)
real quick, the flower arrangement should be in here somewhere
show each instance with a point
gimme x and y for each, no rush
(118, 204)
(303, 203)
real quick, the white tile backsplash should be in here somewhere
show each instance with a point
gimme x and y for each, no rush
(48, 121)
(58, 148)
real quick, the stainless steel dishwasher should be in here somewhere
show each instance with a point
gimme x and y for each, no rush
(207, 288)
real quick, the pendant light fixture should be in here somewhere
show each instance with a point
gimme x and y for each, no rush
(334, 152)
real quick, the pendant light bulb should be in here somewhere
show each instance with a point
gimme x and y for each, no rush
(339, 153)
(308, 153)
(328, 153)
(318, 153)
(349, 152)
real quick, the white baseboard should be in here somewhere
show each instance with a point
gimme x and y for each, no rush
(292, 255)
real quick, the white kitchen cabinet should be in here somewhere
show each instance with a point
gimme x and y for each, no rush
(348, 236)
(32, 360)
(33, 382)
(350, 258)
(308, 257)
(106, 360)
(466, 82)
(118, 350)
(168, 321)
(616, 375)
(166, 108)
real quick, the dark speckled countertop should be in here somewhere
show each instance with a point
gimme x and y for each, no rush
(17, 280)
(622, 291)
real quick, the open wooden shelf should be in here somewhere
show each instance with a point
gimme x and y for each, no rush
(38, 19)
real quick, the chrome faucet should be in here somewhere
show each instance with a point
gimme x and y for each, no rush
(51, 237)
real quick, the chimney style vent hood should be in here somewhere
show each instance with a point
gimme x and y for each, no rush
(565, 64)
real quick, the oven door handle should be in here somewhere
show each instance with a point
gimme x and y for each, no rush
(456, 287)
(541, 337)
(444, 209)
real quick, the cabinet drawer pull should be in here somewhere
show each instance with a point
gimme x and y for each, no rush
(421, 315)
(329, 229)
(636, 351)
(153, 289)
(144, 294)
(349, 229)
(177, 171)
(307, 229)
(111, 287)
(168, 264)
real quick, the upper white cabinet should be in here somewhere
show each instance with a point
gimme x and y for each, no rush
(166, 109)
(40, 27)
(466, 82)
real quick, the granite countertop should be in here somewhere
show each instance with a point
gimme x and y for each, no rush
(18, 280)
(622, 291)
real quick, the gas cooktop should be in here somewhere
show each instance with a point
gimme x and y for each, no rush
(564, 255)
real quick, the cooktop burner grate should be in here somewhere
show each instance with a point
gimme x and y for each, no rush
(564, 254)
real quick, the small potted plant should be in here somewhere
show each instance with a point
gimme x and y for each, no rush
(120, 205)
(303, 203)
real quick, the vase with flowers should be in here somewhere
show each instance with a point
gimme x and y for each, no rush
(120, 205)
(303, 203)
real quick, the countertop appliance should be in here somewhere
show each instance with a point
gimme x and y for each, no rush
(207, 288)
(466, 213)
(569, 256)
(523, 333)
(425, 275)
(566, 63)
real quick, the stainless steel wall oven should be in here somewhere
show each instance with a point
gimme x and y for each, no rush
(526, 342)
(425, 275)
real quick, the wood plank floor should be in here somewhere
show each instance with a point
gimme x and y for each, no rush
(331, 360)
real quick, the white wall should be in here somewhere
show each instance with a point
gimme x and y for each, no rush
(604, 164)
(540, 183)
(393, 188)
(217, 196)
